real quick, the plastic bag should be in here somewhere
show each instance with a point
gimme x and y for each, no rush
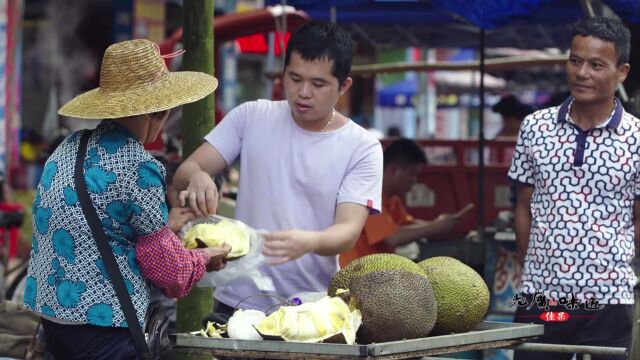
(245, 266)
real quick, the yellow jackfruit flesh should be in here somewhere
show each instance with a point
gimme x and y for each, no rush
(313, 322)
(215, 235)
(213, 330)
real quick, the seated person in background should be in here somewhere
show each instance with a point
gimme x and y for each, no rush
(513, 112)
(394, 227)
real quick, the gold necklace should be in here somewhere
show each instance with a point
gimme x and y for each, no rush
(333, 114)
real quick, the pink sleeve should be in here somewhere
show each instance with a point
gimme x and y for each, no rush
(167, 264)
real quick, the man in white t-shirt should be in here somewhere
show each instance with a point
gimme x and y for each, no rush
(308, 174)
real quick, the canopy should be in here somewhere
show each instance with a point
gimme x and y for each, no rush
(531, 24)
(485, 14)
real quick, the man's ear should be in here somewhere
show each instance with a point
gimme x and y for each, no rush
(346, 84)
(623, 71)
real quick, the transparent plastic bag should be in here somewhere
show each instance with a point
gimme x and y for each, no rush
(244, 266)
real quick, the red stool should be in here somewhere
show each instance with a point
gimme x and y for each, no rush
(11, 216)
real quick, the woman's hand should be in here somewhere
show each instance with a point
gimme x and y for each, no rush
(201, 195)
(179, 216)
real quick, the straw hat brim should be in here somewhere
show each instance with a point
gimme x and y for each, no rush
(171, 90)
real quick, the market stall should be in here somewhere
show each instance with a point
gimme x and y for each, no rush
(485, 335)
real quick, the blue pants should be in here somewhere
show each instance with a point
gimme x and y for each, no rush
(610, 326)
(88, 342)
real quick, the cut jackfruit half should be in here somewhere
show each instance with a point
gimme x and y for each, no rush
(313, 322)
(215, 235)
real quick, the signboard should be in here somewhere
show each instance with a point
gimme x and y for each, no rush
(149, 20)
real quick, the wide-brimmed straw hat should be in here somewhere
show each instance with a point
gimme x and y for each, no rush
(134, 80)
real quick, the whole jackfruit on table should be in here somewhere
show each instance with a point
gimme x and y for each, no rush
(485, 336)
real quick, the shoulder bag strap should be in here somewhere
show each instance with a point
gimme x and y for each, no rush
(105, 249)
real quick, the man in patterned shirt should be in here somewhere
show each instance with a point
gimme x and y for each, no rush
(577, 168)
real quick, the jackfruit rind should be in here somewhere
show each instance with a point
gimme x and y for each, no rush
(312, 322)
(395, 305)
(215, 235)
(461, 294)
(371, 263)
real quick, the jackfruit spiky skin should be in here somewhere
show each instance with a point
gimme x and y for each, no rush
(461, 294)
(395, 305)
(368, 264)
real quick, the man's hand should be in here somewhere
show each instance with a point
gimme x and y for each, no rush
(201, 195)
(445, 223)
(179, 216)
(284, 246)
(217, 257)
(448, 222)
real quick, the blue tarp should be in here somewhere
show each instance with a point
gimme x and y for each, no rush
(628, 10)
(497, 13)
(487, 14)
(398, 94)
(375, 12)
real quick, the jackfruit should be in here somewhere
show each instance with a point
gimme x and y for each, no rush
(368, 264)
(461, 294)
(395, 305)
(327, 318)
(215, 235)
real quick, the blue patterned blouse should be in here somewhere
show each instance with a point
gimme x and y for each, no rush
(67, 279)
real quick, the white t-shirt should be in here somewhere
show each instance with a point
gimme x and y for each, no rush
(291, 178)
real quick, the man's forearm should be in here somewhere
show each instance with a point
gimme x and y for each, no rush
(335, 239)
(636, 224)
(522, 225)
(412, 232)
(636, 237)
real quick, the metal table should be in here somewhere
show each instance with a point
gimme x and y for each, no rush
(486, 335)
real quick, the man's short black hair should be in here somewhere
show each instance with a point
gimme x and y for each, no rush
(404, 152)
(607, 29)
(321, 40)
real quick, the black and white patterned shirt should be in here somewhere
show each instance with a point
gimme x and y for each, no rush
(585, 184)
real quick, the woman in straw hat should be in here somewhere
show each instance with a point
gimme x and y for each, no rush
(67, 282)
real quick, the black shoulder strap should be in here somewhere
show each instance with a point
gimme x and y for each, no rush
(105, 249)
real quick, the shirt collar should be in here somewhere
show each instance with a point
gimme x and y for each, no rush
(614, 120)
(112, 125)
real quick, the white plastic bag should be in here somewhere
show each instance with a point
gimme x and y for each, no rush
(245, 266)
